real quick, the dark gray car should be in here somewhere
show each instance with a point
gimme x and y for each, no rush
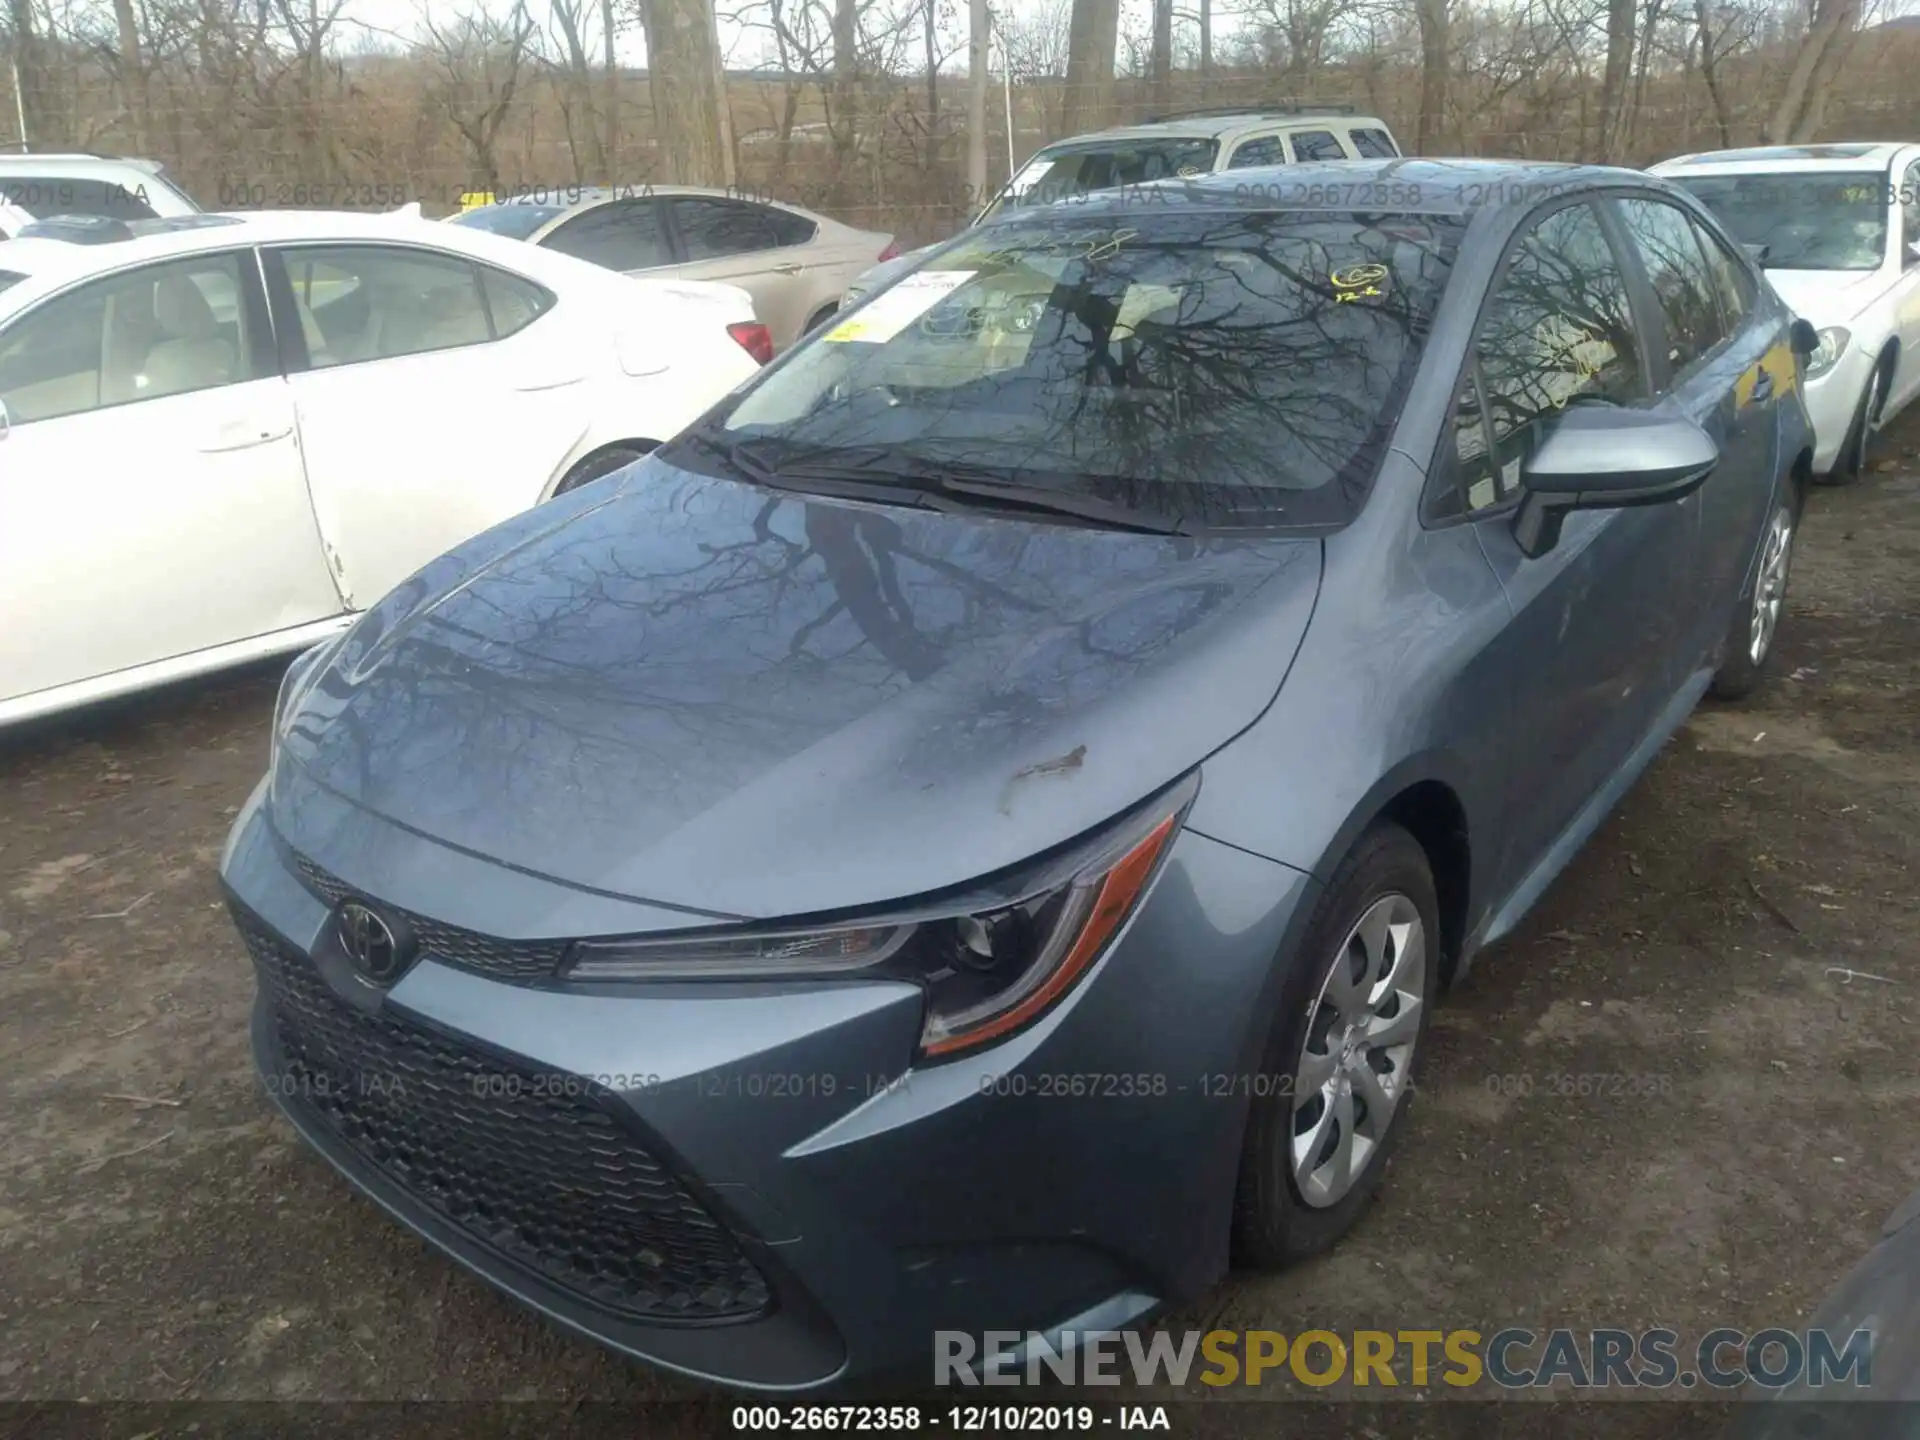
(971, 835)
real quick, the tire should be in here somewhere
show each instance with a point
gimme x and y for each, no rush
(1852, 460)
(603, 462)
(1754, 633)
(820, 317)
(1278, 1221)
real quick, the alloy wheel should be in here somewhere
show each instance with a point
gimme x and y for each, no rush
(1357, 1060)
(1770, 585)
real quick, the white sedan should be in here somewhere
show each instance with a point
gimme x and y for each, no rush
(1837, 228)
(222, 436)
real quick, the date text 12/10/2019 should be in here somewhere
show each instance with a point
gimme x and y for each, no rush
(955, 1419)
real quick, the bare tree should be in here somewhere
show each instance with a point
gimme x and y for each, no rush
(1804, 101)
(1435, 59)
(979, 33)
(1615, 103)
(1093, 32)
(479, 60)
(1160, 65)
(683, 65)
(32, 76)
(575, 90)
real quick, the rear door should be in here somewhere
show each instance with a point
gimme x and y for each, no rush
(152, 500)
(436, 397)
(1728, 378)
(1597, 618)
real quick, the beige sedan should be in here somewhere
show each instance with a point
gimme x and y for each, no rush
(794, 263)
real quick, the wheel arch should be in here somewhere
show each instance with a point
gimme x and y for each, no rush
(635, 443)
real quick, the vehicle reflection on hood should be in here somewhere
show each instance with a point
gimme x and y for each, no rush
(660, 696)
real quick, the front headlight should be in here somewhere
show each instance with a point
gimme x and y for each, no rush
(990, 965)
(1833, 344)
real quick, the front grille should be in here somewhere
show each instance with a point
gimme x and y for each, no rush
(525, 1163)
(511, 960)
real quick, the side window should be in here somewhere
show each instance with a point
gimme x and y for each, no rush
(1559, 329)
(1262, 150)
(1910, 214)
(154, 332)
(789, 228)
(1317, 145)
(512, 303)
(1732, 283)
(1373, 144)
(378, 302)
(1676, 266)
(621, 235)
(713, 228)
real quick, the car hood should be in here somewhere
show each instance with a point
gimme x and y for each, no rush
(1827, 297)
(704, 694)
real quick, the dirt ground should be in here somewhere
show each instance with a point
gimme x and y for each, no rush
(163, 1237)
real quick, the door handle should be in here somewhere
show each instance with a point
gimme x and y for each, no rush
(787, 268)
(242, 434)
(1763, 386)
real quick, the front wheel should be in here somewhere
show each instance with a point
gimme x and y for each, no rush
(1756, 621)
(1340, 1056)
(1852, 461)
(595, 466)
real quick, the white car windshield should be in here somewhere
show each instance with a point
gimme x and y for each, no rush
(1807, 219)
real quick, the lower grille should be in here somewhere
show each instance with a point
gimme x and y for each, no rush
(511, 960)
(547, 1180)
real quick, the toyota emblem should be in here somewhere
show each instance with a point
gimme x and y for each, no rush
(376, 952)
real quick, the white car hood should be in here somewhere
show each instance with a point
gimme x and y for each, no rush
(1828, 297)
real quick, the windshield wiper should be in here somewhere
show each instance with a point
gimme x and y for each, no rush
(1038, 499)
(834, 482)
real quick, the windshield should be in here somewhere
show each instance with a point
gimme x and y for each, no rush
(1057, 174)
(1224, 368)
(1808, 220)
(515, 221)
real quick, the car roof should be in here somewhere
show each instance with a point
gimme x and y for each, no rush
(1849, 155)
(79, 164)
(567, 198)
(1221, 126)
(1407, 186)
(50, 264)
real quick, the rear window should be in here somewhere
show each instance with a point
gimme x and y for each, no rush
(515, 221)
(49, 195)
(1060, 174)
(9, 277)
(1231, 369)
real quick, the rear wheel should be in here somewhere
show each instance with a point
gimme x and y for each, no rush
(1756, 621)
(1336, 1081)
(604, 462)
(820, 317)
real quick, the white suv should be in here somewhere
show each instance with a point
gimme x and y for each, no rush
(39, 187)
(1169, 147)
(1837, 229)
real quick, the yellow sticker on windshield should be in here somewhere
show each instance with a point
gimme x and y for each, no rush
(1357, 281)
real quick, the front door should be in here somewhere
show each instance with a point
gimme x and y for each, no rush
(152, 498)
(1597, 618)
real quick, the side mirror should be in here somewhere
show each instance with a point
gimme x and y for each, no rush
(1806, 339)
(1758, 252)
(1913, 251)
(1607, 459)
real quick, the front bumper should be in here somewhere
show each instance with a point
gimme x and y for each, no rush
(1832, 399)
(1078, 1175)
